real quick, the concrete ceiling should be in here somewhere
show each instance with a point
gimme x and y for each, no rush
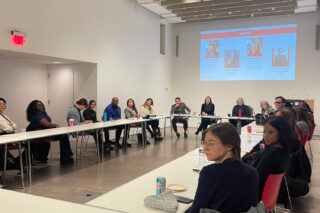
(194, 11)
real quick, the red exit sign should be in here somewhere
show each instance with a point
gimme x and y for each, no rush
(18, 38)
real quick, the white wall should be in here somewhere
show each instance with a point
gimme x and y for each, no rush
(67, 84)
(20, 83)
(119, 35)
(186, 75)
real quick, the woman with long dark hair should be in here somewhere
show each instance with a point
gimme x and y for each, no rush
(280, 144)
(207, 108)
(39, 120)
(299, 173)
(90, 114)
(131, 110)
(290, 116)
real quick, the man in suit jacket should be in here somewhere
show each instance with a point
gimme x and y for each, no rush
(180, 108)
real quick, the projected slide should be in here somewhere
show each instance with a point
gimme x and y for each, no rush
(261, 53)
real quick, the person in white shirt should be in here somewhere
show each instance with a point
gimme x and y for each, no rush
(6, 125)
(147, 110)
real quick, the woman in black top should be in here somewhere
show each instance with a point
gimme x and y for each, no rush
(228, 185)
(90, 114)
(275, 158)
(207, 108)
(299, 173)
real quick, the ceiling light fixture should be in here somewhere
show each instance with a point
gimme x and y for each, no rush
(191, 1)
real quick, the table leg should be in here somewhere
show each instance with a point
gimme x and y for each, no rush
(144, 134)
(77, 145)
(29, 163)
(4, 172)
(21, 164)
(164, 128)
(98, 146)
(125, 136)
(81, 142)
(171, 126)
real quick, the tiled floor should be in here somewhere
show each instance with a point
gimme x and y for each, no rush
(87, 179)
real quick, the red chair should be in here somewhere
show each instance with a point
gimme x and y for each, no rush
(311, 132)
(309, 139)
(271, 190)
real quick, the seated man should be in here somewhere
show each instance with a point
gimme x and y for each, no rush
(241, 110)
(113, 112)
(281, 102)
(180, 108)
(75, 113)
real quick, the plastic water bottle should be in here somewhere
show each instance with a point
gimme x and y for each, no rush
(104, 117)
(239, 127)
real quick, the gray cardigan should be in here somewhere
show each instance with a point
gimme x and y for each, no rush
(181, 109)
(129, 113)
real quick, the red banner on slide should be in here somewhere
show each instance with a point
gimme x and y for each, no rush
(283, 30)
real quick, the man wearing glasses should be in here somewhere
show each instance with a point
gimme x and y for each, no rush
(279, 102)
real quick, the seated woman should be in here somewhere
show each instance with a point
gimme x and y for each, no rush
(131, 110)
(6, 127)
(90, 114)
(39, 120)
(207, 108)
(228, 185)
(299, 173)
(266, 109)
(289, 115)
(241, 110)
(303, 124)
(280, 144)
(147, 109)
(304, 105)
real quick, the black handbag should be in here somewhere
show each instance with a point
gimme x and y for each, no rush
(260, 119)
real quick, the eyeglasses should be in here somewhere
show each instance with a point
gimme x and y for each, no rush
(208, 144)
(277, 102)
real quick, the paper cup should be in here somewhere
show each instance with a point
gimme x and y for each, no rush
(71, 121)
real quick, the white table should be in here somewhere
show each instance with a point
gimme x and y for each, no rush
(12, 201)
(213, 117)
(27, 136)
(130, 196)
